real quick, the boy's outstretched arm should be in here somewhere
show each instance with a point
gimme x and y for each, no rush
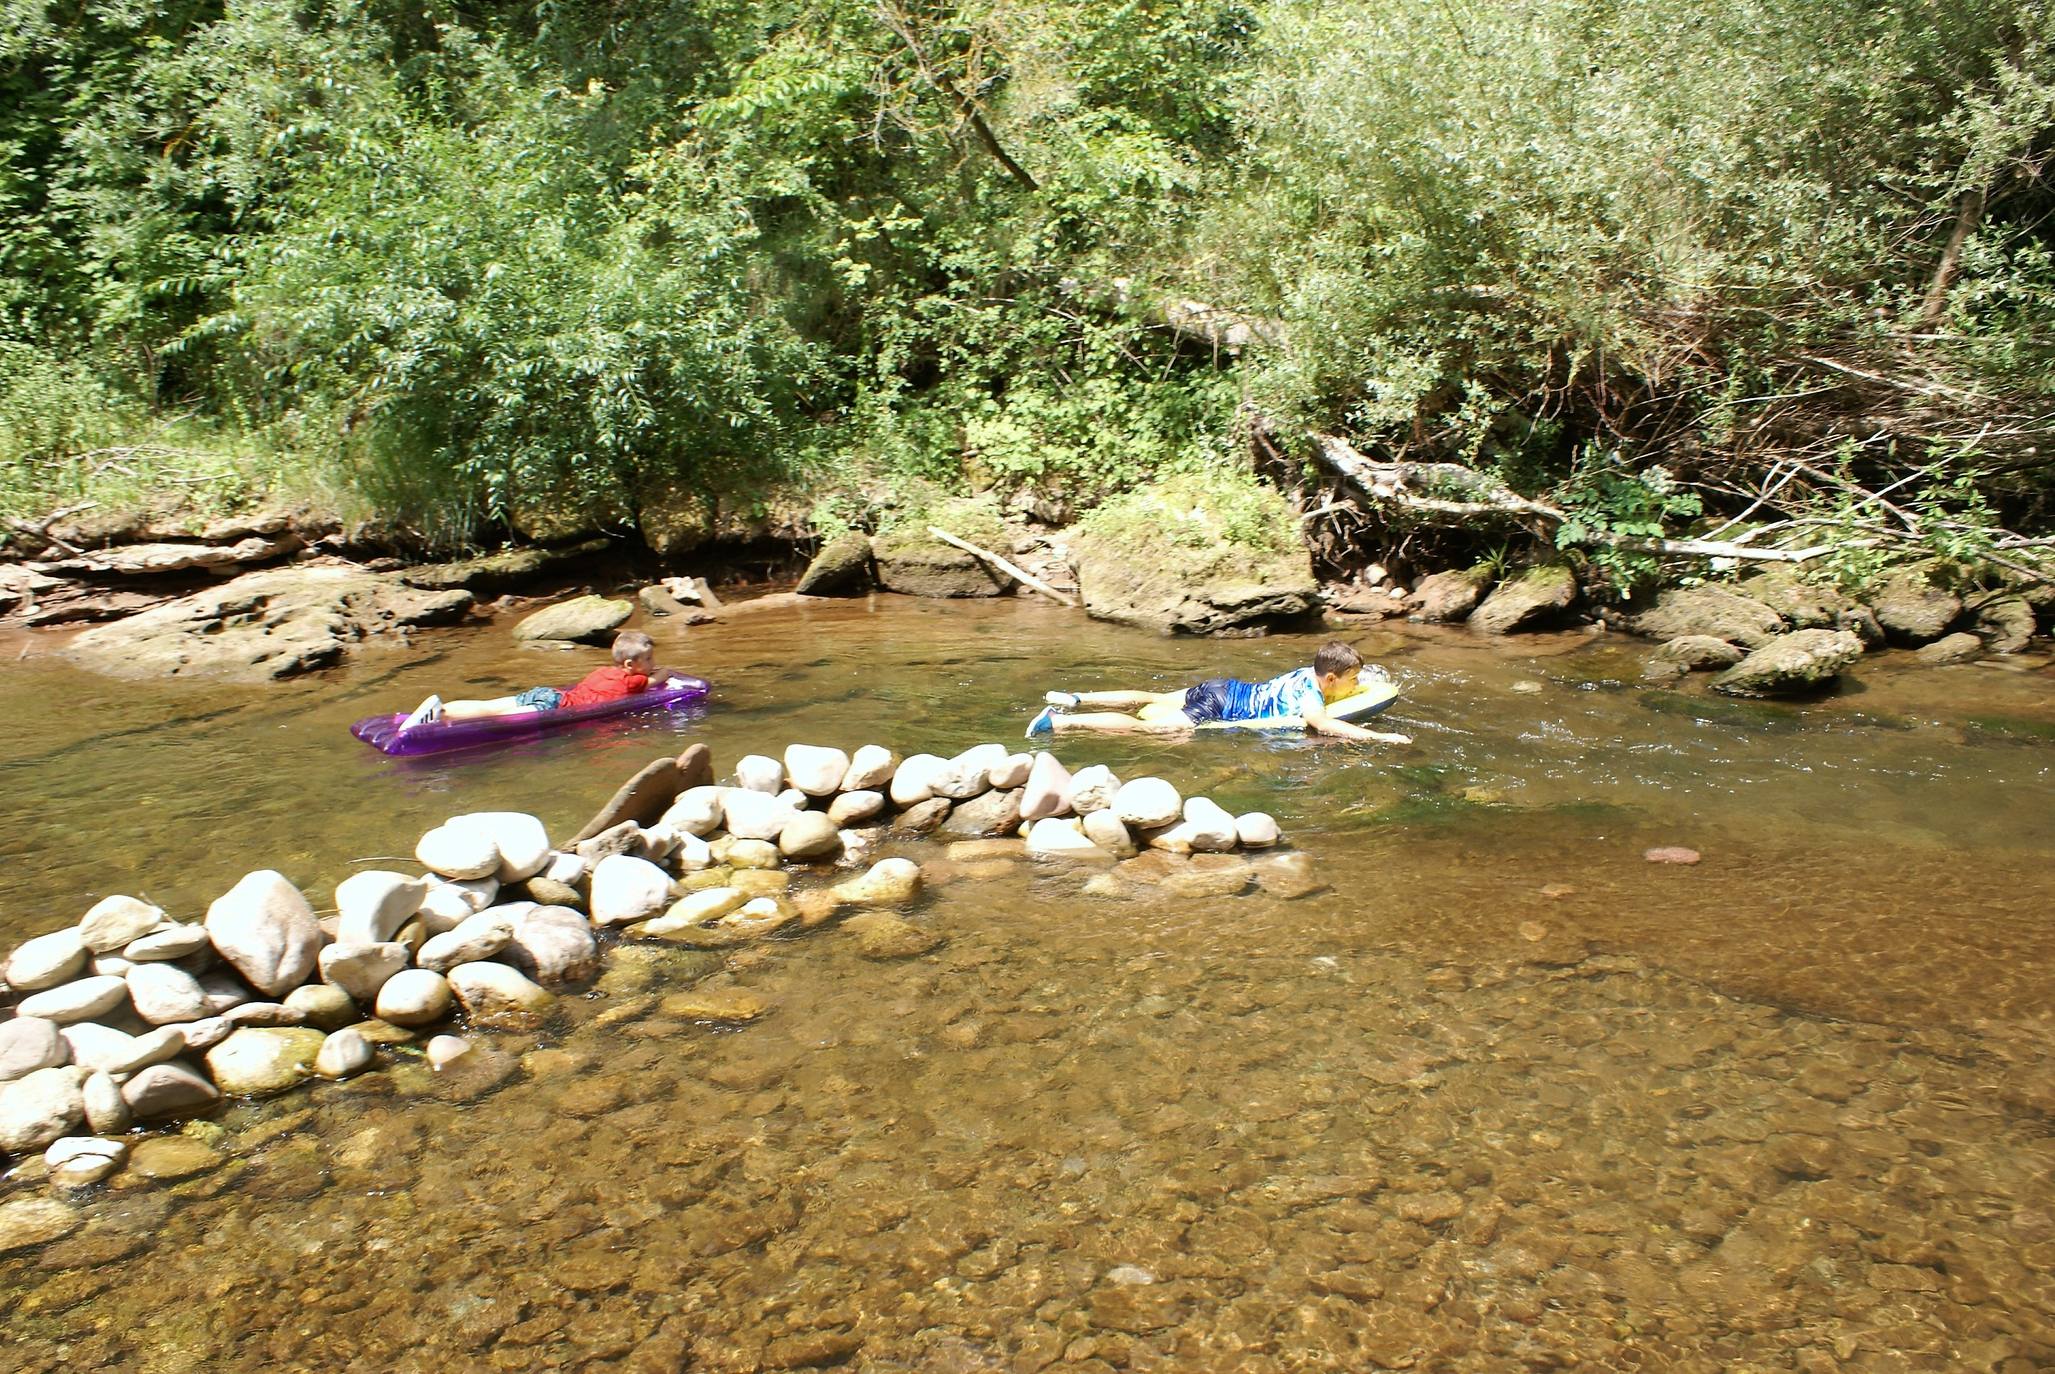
(1320, 723)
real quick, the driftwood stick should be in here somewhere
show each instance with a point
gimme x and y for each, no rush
(1387, 482)
(1018, 574)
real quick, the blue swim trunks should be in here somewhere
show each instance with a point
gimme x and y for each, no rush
(541, 698)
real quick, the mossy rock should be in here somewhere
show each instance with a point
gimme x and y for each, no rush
(1535, 599)
(1195, 555)
(912, 561)
(841, 568)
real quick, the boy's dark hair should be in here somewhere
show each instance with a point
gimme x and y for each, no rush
(632, 644)
(1335, 658)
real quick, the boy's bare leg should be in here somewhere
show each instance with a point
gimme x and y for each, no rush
(1129, 701)
(1115, 722)
(481, 710)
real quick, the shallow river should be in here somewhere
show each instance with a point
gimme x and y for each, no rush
(1502, 1095)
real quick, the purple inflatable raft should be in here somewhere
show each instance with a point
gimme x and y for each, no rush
(435, 737)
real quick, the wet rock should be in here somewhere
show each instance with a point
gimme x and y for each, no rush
(691, 910)
(1693, 653)
(323, 1005)
(889, 882)
(1960, 647)
(870, 769)
(163, 994)
(1671, 854)
(343, 1053)
(260, 1061)
(169, 1157)
(81, 1161)
(1146, 803)
(30, 1043)
(1288, 876)
(810, 835)
(361, 970)
(815, 770)
(992, 813)
(445, 1050)
(626, 838)
(459, 852)
(582, 619)
(2005, 624)
(40, 1107)
(1206, 827)
(496, 572)
(1710, 611)
(1255, 830)
(1795, 662)
(414, 997)
(266, 931)
(169, 942)
(553, 945)
(1061, 837)
(626, 889)
(1110, 833)
(494, 993)
(1047, 788)
(1809, 605)
(1533, 599)
(264, 625)
(716, 1004)
(1093, 789)
(1912, 608)
(107, 1111)
(852, 808)
(841, 568)
(923, 817)
(1446, 596)
(115, 921)
(26, 1222)
(83, 1000)
(913, 781)
(46, 961)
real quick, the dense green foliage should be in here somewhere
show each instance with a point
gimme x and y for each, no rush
(461, 262)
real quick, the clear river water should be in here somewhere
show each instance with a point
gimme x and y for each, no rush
(1496, 1094)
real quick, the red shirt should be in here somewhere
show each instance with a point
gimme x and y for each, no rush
(610, 683)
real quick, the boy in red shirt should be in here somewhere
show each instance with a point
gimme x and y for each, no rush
(632, 671)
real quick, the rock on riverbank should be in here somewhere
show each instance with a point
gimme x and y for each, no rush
(265, 625)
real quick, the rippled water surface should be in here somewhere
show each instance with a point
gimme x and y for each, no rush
(1499, 1095)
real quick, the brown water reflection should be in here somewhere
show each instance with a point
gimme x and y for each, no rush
(1503, 1096)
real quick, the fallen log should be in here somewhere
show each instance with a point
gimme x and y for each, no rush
(1018, 574)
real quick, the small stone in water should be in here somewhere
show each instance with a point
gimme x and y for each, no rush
(1533, 930)
(1671, 854)
(343, 1053)
(447, 1049)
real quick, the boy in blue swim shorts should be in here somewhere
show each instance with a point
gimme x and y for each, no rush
(1304, 692)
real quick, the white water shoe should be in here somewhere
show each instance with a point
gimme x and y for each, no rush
(1063, 701)
(1044, 722)
(428, 710)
